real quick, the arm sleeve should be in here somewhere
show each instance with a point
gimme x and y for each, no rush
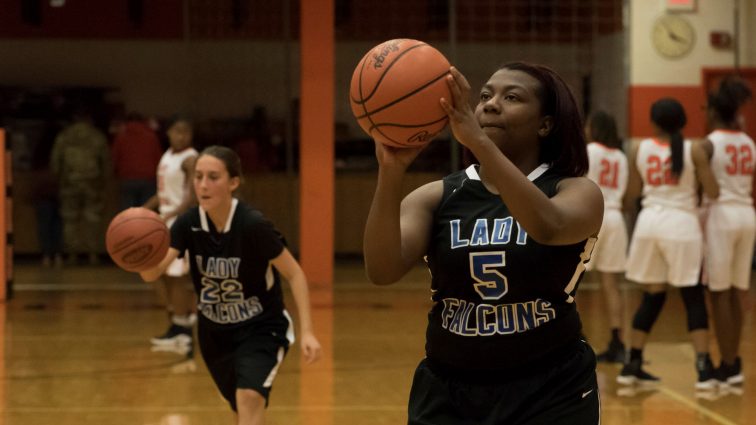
(179, 234)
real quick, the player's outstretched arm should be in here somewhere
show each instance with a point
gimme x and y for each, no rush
(290, 269)
(151, 275)
(397, 231)
(152, 203)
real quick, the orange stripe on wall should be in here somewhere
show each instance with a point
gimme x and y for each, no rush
(316, 145)
(316, 195)
(642, 97)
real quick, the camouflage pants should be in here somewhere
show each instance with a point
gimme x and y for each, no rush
(81, 208)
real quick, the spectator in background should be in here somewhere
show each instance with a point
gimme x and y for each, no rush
(80, 161)
(175, 195)
(608, 168)
(730, 225)
(136, 153)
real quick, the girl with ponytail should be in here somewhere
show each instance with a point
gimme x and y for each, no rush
(666, 245)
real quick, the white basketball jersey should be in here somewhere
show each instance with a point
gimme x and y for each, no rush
(172, 179)
(608, 168)
(660, 186)
(733, 165)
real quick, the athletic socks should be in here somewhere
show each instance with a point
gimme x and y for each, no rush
(186, 321)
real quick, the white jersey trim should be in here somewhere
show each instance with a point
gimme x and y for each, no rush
(229, 219)
(281, 351)
(472, 172)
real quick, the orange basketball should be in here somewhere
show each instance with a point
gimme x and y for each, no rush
(137, 239)
(395, 92)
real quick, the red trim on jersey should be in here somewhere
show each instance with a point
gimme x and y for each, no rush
(609, 148)
(659, 142)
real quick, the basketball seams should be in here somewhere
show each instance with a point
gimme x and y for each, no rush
(124, 244)
(406, 89)
(405, 96)
(376, 127)
(384, 124)
(141, 243)
(362, 102)
(158, 248)
(364, 99)
(114, 226)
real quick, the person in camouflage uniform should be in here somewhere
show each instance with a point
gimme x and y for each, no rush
(80, 160)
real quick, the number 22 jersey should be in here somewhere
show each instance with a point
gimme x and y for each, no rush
(501, 300)
(231, 267)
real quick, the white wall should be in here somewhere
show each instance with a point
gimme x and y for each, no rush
(610, 79)
(747, 30)
(647, 67)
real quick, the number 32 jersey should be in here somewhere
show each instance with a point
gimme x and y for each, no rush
(231, 267)
(733, 165)
(501, 299)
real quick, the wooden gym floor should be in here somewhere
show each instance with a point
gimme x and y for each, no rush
(75, 345)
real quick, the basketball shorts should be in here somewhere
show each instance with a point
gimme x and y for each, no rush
(610, 252)
(666, 247)
(730, 234)
(180, 266)
(247, 356)
(565, 394)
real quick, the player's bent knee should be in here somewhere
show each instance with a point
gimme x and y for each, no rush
(649, 310)
(250, 399)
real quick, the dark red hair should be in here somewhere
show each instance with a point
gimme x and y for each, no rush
(564, 147)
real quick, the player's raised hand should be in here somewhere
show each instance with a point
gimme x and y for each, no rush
(462, 119)
(393, 157)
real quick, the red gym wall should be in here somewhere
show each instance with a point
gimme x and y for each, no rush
(642, 97)
(91, 19)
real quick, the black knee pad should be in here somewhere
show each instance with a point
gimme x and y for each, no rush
(648, 311)
(695, 305)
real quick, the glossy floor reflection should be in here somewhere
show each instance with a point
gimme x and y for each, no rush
(76, 351)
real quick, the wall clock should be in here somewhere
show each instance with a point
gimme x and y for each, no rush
(673, 36)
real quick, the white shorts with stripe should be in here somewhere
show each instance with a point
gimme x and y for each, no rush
(730, 234)
(666, 247)
(610, 252)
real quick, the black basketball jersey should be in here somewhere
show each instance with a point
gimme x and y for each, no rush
(501, 300)
(231, 269)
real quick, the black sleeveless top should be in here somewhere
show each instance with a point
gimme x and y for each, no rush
(231, 268)
(501, 300)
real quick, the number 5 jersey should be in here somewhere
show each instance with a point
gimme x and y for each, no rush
(501, 299)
